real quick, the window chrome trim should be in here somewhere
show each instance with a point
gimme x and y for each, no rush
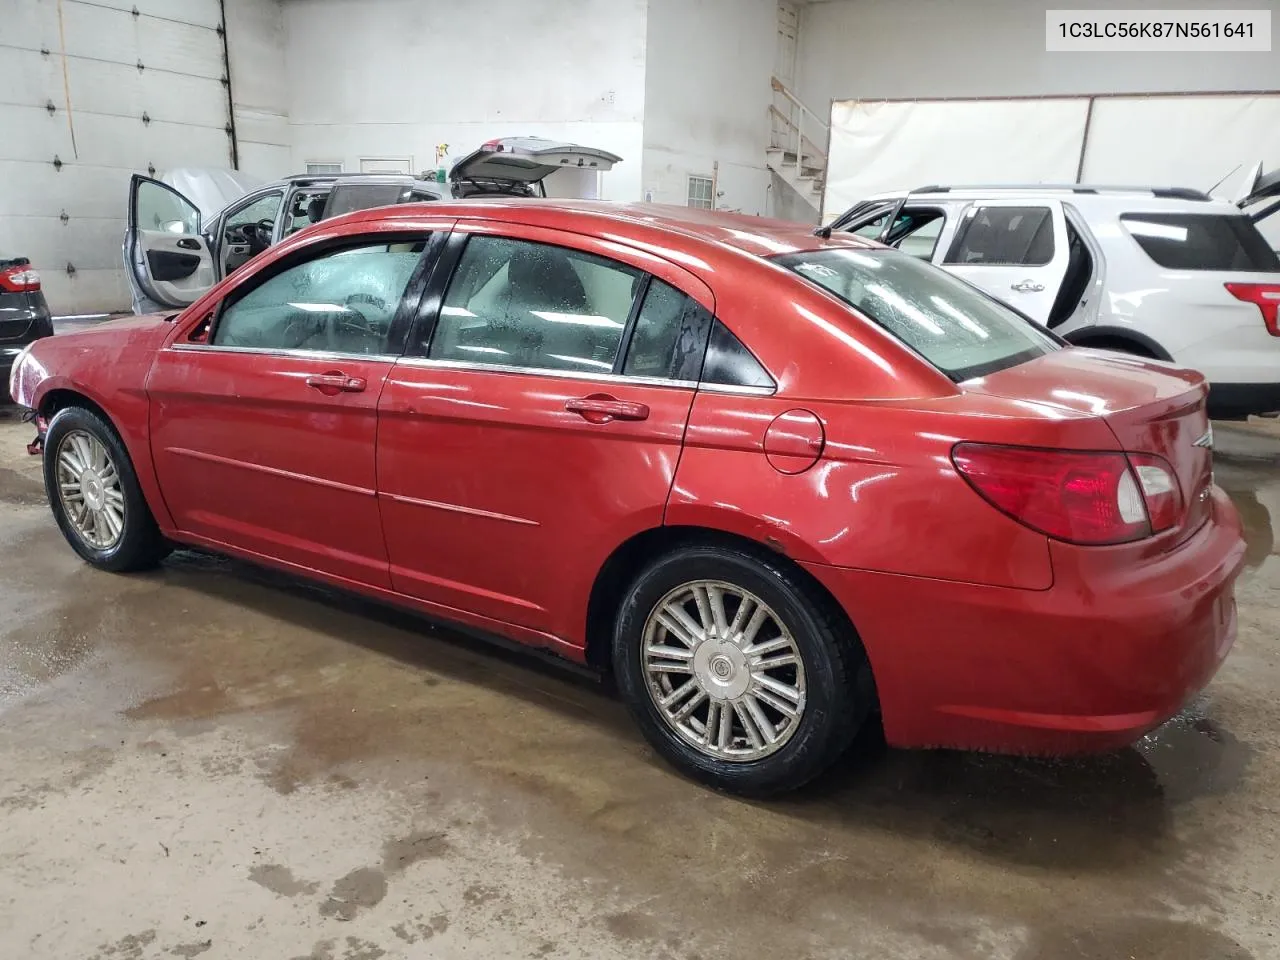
(737, 388)
(601, 377)
(284, 352)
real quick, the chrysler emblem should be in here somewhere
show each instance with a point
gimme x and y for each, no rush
(1205, 440)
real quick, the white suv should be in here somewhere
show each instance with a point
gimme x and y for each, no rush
(1170, 274)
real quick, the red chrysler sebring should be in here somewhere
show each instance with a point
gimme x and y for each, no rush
(777, 482)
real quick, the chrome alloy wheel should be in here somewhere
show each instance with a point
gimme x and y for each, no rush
(89, 490)
(723, 670)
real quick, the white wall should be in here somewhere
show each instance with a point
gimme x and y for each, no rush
(706, 98)
(884, 49)
(256, 49)
(398, 77)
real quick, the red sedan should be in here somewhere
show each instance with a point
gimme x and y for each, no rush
(776, 482)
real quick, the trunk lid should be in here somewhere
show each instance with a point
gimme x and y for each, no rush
(527, 160)
(1151, 407)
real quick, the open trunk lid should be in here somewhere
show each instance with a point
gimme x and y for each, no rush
(1151, 407)
(527, 160)
(1260, 187)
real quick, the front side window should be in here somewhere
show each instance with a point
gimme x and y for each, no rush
(341, 302)
(1202, 241)
(1004, 236)
(956, 328)
(525, 304)
(160, 208)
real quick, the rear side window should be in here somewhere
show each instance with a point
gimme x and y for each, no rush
(729, 363)
(670, 335)
(1003, 236)
(1202, 241)
(959, 330)
(525, 304)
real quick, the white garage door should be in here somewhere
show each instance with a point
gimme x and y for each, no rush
(90, 92)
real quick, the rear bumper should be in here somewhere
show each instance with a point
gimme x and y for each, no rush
(1114, 648)
(1235, 401)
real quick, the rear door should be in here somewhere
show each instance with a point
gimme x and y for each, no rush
(537, 422)
(168, 259)
(1016, 250)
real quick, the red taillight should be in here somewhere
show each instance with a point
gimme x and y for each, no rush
(493, 145)
(1265, 296)
(1090, 498)
(20, 279)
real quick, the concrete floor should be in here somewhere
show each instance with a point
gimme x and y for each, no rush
(210, 761)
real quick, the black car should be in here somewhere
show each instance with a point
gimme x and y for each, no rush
(24, 315)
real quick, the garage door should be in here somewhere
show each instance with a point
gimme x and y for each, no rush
(90, 92)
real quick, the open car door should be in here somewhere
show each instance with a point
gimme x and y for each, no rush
(518, 165)
(169, 261)
(1014, 249)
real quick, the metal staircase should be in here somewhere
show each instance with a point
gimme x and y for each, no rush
(797, 144)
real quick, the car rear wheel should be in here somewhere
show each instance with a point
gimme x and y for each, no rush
(95, 495)
(738, 671)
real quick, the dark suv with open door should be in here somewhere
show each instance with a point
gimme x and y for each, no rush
(24, 315)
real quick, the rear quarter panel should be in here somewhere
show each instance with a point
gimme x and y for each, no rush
(883, 495)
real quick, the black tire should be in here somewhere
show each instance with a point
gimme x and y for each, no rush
(839, 689)
(141, 544)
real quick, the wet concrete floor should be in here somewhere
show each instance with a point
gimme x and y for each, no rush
(213, 761)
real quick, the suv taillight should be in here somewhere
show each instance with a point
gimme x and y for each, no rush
(1088, 498)
(19, 279)
(1265, 296)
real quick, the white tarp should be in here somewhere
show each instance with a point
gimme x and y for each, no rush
(878, 146)
(1182, 141)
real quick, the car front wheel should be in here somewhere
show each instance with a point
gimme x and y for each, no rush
(95, 496)
(738, 670)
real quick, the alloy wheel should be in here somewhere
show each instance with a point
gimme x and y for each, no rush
(89, 490)
(723, 670)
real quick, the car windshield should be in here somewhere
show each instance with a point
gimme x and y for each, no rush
(961, 331)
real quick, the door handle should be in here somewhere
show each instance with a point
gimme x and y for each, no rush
(332, 384)
(601, 408)
(1027, 286)
(186, 243)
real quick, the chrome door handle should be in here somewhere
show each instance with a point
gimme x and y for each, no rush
(1027, 286)
(334, 383)
(601, 408)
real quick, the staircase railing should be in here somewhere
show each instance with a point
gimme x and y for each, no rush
(800, 126)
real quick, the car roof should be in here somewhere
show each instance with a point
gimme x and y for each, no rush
(760, 236)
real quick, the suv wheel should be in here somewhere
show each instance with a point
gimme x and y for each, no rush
(737, 671)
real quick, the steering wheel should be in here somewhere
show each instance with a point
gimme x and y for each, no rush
(371, 326)
(262, 231)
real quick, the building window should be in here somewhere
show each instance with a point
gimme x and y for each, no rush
(701, 193)
(323, 166)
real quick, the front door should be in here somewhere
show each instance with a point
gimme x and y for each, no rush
(264, 411)
(1015, 250)
(168, 260)
(539, 423)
